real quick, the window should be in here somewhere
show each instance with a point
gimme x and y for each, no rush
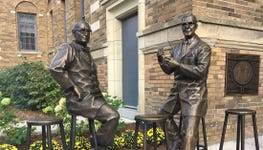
(27, 32)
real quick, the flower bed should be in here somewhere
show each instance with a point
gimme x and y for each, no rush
(16, 135)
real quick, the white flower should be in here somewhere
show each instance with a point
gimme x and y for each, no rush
(58, 108)
(62, 102)
(5, 101)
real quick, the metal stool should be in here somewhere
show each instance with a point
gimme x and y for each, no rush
(73, 133)
(198, 145)
(240, 127)
(146, 120)
(46, 123)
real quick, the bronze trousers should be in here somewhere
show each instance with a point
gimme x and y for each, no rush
(109, 119)
(186, 136)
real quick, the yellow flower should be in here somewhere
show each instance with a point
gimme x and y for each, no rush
(7, 147)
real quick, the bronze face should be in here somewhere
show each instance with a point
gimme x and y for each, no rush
(81, 32)
(189, 26)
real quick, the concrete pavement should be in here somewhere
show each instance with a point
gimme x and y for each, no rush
(231, 145)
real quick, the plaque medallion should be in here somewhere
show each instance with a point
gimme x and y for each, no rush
(242, 74)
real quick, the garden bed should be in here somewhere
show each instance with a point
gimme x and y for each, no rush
(27, 114)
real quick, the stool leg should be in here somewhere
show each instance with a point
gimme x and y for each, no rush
(28, 136)
(154, 136)
(135, 135)
(223, 132)
(255, 131)
(238, 132)
(63, 140)
(204, 133)
(72, 132)
(50, 146)
(242, 132)
(165, 134)
(93, 133)
(144, 136)
(197, 143)
(44, 144)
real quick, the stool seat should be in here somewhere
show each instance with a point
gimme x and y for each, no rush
(240, 111)
(151, 117)
(46, 123)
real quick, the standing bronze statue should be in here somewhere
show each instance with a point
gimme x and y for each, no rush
(189, 61)
(74, 69)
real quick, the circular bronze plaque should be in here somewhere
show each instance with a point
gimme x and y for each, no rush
(243, 72)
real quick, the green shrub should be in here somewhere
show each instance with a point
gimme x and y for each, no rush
(13, 134)
(30, 85)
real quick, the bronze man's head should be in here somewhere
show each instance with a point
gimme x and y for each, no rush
(189, 25)
(81, 32)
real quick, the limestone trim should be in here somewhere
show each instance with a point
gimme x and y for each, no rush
(215, 35)
(114, 13)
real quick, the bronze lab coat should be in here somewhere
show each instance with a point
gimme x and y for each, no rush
(74, 69)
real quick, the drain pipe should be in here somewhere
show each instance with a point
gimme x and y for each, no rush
(82, 15)
(65, 20)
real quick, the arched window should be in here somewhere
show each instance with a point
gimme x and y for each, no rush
(27, 26)
(27, 32)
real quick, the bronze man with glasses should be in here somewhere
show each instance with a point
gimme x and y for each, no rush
(74, 69)
(189, 62)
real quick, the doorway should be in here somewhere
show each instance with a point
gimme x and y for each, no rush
(130, 61)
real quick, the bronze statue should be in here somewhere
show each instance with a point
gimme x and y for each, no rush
(189, 61)
(74, 69)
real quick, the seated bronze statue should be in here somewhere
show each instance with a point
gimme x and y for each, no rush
(74, 69)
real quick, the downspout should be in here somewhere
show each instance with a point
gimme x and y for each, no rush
(82, 16)
(65, 21)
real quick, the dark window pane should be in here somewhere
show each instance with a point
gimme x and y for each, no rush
(27, 31)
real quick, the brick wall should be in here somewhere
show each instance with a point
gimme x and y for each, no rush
(245, 13)
(73, 15)
(98, 37)
(102, 73)
(9, 49)
(55, 23)
(160, 11)
(218, 102)
(158, 84)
